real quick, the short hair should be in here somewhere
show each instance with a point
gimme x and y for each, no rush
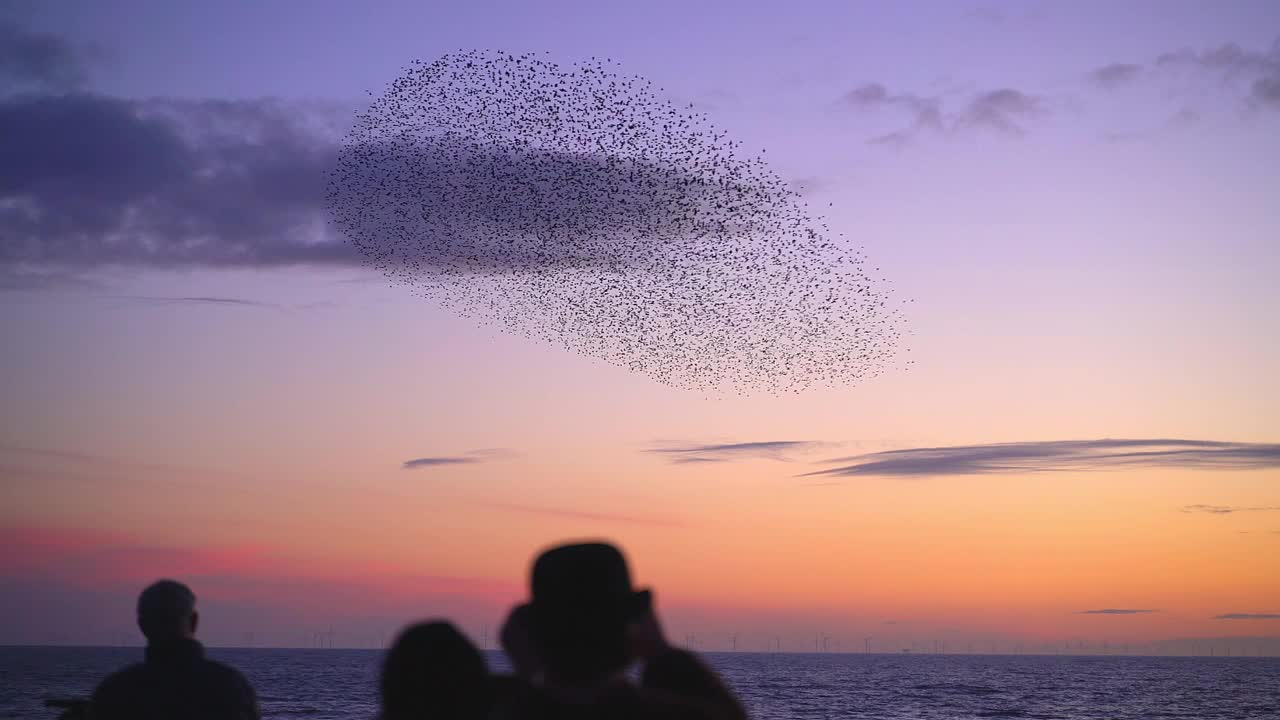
(165, 603)
(433, 670)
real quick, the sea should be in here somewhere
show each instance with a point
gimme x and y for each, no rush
(332, 684)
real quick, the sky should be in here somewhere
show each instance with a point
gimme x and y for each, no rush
(201, 378)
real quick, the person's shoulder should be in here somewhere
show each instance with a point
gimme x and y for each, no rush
(216, 667)
(231, 687)
(224, 673)
(124, 676)
(119, 682)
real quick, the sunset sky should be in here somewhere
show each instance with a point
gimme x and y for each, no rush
(1080, 198)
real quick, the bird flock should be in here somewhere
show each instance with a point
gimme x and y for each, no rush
(574, 204)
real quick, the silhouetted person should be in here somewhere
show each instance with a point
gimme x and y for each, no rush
(432, 672)
(175, 681)
(573, 643)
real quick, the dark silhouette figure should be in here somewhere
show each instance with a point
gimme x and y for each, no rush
(175, 680)
(573, 643)
(432, 671)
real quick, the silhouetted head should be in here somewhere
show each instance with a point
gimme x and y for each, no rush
(167, 611)
(432, 671)
(583, 605)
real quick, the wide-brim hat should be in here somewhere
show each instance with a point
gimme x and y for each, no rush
(585, 580)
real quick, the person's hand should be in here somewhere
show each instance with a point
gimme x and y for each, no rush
(647, 639)
(517, 642)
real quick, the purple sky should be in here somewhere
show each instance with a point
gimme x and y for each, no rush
(1080, 197)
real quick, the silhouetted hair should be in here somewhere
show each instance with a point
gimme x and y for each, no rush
(582, 606)
(165, 609)
(433, 671)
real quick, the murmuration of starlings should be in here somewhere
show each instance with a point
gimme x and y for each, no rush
(574, 204)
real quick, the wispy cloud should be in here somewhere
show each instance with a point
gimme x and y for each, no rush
(781, 450)
(224, 301)
(1058, 456)
(1256, 72)
(1226, 509)
(1005, 111)
(1115, 74)
(1247, 616)
(1114, 611)
(472, 457)
(604, 517)
(1001, 110)
(437, 461)
(994, 16)
(15, 456)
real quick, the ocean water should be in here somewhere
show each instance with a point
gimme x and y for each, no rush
(332, 684)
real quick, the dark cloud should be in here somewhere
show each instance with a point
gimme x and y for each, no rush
(1115, 74)
(32, 60)
(471, 457)
(1247, 616)
(1114, 611)
(88, 181)
(1060, 456)
(1225, 509)
(768, 450)
(1004, 111)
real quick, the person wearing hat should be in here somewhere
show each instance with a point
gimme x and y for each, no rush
(572, 644)
(175, 680)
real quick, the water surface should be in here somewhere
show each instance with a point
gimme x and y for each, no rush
(333, 684)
